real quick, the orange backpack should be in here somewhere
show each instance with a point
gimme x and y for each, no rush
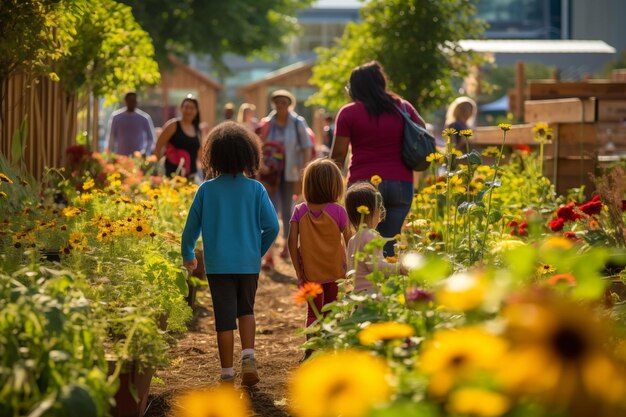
(322, 249)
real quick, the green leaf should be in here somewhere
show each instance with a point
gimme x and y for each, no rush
(18, 143)
(494, 216)
(475, 158)
(521, 263)
(77, 402)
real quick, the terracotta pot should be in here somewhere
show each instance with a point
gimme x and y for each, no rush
(126, 404)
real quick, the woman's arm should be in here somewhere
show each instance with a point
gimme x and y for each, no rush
(164, 137)
(340, 150)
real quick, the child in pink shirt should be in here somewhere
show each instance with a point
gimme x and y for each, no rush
(364, 194)
(319, 231)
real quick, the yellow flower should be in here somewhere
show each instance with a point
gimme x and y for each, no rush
(491, 151)
(140, 228)
(557, 242)
(463, 291)
(346, 383)
(384, 331)
(466, 133)
(220, 401)
(561, 354)
(456, 152)
(71, 211)
(3, 194)
(458, 355)
(124, 200)
(505, 126)
(78, 240)
(375, 180)
(478, 402)
(545, 269)
(90, 183)
(542, 133)
(4, 178)
(363, 210)
(308, 290)
(449, 131)
(435, 157)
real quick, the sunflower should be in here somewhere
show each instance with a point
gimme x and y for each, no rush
(457, 355)
(89, 184)
(478, 402)
(78, 240)
(5, 178)
(435, 157)
(560, 355)
(447, 132)
(140, 227)
(220, 401)
(346, 383)
(505, 127)
(466, 133)
(308, 290)
(384, 331)
(375, 180)
(545, 269)
(463, 291)
(491, 151)
(71, 211)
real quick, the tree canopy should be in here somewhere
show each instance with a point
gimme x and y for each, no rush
(95, 44)
(416, 42)
(216, 27)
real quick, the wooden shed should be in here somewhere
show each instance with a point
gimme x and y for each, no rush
(292, 77)
(181, 80)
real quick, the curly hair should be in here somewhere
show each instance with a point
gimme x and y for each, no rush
(231, 148)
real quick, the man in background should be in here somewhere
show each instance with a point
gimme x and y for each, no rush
(130, 129)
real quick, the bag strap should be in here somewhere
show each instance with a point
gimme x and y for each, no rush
(297, 125)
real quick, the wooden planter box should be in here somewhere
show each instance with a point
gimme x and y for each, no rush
(131, 398)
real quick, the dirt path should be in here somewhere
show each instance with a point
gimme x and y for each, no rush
(195, 362)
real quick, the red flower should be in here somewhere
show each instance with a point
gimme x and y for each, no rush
(513, 223)
(567, 213)
(596, 198)
(557, 225)
(522, 229)
(592, 207)
(571, 236)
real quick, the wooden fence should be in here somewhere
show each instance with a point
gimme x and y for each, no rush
(51, 119)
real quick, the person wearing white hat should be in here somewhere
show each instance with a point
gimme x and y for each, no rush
(285, 126)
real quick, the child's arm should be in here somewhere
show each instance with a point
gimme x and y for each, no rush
(292, 243)
(377, 257)
(269, 223)
(191, 232)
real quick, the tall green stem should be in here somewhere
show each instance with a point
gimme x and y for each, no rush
(493, 184)
(469, 198)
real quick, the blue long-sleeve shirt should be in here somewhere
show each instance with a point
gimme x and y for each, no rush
(237, 221)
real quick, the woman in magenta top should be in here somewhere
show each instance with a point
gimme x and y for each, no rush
(373, 127)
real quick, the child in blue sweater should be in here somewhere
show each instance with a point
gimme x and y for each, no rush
(238, 224)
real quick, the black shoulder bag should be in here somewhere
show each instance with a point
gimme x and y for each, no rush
(417, 143)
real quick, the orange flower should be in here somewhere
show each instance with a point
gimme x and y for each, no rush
(308, 290)
(568, 278)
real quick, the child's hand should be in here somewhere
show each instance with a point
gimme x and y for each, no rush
(191, 265)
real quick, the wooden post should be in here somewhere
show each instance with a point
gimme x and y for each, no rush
(519, 90)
